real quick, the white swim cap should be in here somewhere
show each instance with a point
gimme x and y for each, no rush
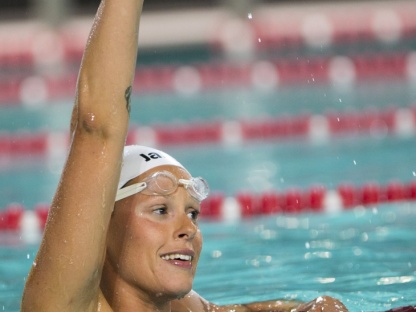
(138, 159)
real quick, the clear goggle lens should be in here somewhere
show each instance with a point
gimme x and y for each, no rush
(165, 183)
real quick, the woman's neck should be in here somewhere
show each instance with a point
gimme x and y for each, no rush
(123, 301)
(121, 296)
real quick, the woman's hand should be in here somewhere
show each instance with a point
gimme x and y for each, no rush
(323, 303)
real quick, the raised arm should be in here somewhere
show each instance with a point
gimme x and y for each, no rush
(66, 273)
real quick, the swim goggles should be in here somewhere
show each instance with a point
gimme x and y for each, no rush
(165, 183)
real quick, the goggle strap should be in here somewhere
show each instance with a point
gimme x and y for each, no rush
(185, 182)
(195, 191)
(130, 190)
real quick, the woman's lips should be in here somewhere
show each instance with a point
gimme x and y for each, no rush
(182, 259)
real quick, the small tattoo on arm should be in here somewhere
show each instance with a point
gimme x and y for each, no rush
(127, 96)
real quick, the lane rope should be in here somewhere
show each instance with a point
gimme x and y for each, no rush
(30, 223)
(319, 129)
(38, 90)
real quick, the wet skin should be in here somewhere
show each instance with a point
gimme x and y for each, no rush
(153, 246)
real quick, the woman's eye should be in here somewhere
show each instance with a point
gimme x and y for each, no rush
(160, 210)
(193, 215)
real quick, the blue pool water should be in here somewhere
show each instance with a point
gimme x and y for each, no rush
(254, 167)
(366, 257)
(227, 104)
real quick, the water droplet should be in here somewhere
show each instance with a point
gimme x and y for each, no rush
(355, 163)
(91, 116)
(216, 254)
(28, 256)
(250, 16)
(364, 237)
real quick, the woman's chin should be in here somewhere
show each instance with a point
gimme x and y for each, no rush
(174, 293)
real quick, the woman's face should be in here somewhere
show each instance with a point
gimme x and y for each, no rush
(154, 241)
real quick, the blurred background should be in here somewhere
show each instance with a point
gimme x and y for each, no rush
(257, 96)
(28, 7)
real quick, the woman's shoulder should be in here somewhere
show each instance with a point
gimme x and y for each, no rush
(191, 302)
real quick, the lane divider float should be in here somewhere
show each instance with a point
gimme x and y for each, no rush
(318, 27)
(398, 121)
(340, 71)
(316, 199)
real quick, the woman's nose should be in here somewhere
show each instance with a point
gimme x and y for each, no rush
(185, 228)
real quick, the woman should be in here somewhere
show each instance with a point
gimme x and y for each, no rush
(122, 240)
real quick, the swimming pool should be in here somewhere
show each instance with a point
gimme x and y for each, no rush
(364, 256)
(253, 165)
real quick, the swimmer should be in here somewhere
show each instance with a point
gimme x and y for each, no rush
(122, 232)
